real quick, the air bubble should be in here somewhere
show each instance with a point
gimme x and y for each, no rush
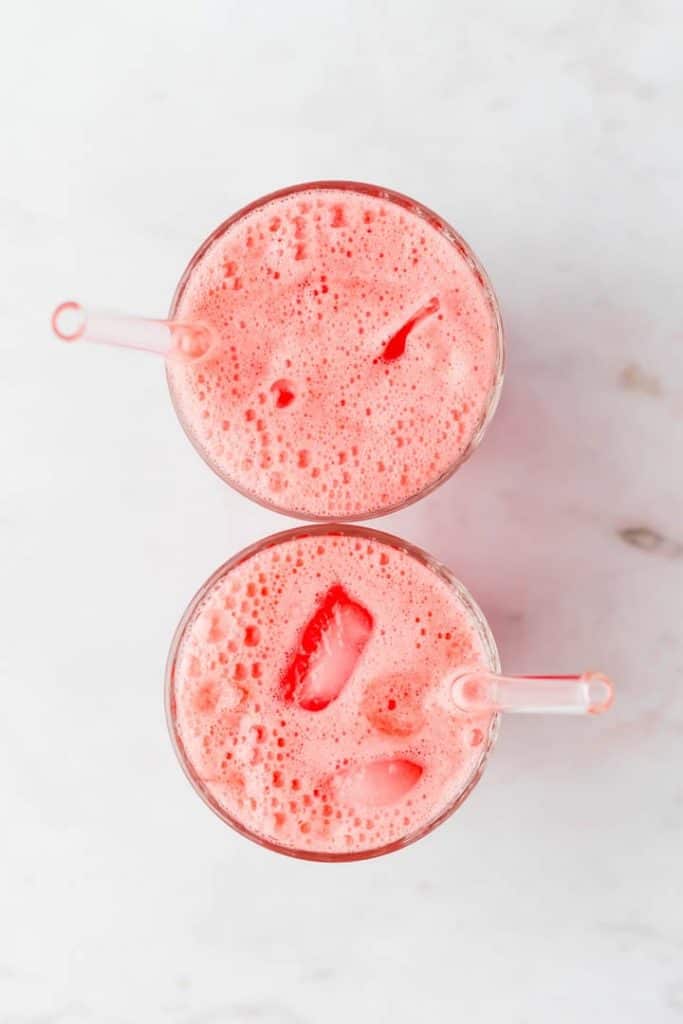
(252, 636)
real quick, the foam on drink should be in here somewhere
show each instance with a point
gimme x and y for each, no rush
(308, 694)
(357, 353)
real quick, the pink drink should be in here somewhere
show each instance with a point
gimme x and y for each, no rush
(309, 699)
(358, 354)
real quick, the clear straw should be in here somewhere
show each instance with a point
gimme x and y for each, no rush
(588, 694)
(71, 322)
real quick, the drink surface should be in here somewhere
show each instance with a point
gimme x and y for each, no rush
(357, 351)
(309, 695)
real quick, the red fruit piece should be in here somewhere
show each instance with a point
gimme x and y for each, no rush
(330, 646)
(381, 782)
(283, 392)
(396, 345)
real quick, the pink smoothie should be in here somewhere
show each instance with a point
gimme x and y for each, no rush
(309, 694)
(358, 351)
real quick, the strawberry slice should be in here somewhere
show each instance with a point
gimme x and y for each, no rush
(381, 782)
(283, 392)
(396, 345)
(330, 646)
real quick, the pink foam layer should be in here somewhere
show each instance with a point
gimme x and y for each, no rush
(381, 761)
(296, 405)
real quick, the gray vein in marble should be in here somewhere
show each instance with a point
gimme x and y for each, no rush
(650, 540)
(640, 932)
(319, 975)
(674, 999)
(634, 378)
(246, 1013)
(68, 1013)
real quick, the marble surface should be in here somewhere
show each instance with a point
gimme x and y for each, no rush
(550, 135)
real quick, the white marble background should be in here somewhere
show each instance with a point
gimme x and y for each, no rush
(550, 135)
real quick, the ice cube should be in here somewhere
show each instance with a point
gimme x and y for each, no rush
(393, 704)
(381, 782)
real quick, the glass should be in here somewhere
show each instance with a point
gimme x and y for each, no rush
(323, 459)
(476, 620)
(472, 262)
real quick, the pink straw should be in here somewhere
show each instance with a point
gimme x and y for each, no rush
(71, 322)
(591, 693)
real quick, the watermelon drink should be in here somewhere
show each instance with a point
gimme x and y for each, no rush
(357, 351)
(308, 696)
